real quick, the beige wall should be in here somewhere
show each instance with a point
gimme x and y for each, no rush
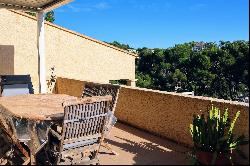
(170, 114)
(164, 113)
(69, 86)
(74, 55)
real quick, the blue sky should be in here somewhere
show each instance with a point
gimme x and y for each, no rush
(157, 23)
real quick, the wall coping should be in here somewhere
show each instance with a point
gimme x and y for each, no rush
(75, 33)
(168, 93)
(68, 78)
(188, 96)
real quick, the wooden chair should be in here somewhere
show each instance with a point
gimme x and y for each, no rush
(94, 89)
(11, 85)
(78, 140)
(8, 144)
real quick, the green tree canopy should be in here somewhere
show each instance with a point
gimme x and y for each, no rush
(209, 69)
(49, 16)
(120, 45)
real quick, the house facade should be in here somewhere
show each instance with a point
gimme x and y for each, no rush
(71, 54)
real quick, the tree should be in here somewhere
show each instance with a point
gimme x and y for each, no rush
(120, 45)
(143, 80)
(232, 69)
(49, 16)
(215, 70)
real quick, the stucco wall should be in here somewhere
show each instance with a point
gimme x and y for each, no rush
(164, 113)
(74, 55)
(69, 86)
(169, 114)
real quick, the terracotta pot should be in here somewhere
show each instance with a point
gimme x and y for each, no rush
(205, 158)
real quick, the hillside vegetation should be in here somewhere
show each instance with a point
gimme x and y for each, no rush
(209, 69)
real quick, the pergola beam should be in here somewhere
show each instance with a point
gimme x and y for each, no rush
(44, 7)
(18, 7)
(40, 7)
(55, 4)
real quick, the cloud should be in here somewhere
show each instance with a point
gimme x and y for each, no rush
(102, 6)
(74, 8)
(84, 7)
(197, 6)
(150, 5)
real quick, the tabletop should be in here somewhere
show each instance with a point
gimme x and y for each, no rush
(35, 106)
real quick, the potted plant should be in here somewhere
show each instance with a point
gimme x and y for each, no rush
(214, 142)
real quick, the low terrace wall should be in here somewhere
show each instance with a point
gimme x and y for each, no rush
(170, 114)
(163, 113)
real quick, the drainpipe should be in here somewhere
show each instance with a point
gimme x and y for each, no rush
(41, 52)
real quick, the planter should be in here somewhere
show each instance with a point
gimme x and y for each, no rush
(205, 158)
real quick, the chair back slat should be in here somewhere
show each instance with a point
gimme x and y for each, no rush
(84, 121)
(95, 89)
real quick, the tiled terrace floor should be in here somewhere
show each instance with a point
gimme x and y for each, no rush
(136, 147)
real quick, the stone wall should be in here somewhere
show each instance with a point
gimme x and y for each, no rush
(69, 86)
(170, 114)
(163, 113)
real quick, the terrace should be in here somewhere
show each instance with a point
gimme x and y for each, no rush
(153, 126)
(137, 147)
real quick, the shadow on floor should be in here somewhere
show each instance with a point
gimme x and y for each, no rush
(149, 149)
(153, 138)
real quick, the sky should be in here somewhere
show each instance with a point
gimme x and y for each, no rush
(157, 23)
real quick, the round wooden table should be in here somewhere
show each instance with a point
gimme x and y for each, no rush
(34, 108)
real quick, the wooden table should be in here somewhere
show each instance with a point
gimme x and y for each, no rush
(33, 108)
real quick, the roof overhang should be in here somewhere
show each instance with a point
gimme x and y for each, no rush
(33, 5)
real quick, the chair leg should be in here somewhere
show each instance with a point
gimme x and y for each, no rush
(18, 145)
(26, 162)
(3, 161)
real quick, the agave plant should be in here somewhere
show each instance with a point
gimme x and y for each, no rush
(215, 133)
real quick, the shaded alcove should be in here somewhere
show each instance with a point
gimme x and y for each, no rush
(7, 59)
